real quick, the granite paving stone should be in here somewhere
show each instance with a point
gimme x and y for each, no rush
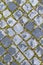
(21, 32)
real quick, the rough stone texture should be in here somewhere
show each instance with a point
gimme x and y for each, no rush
(21, 32)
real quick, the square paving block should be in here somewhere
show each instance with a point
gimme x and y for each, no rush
(34, 2)
(25, 35)
(6, 13)
(35, 61)
(6, 42)
(29, 26)
(12, 50)
(17, 39)
(22, 46)
(20, 2)
(11, 21)
(18, 28)
(19, 57)
(37, 33)
(27, 7)
(17, 14)
(2, 51)
(3, 24)
(12, 6)
(32, 42)
(2, 34)
(39, 9)
(25, 62)
(7, 58)
(29, 53)
(32, 14)
(10, 32)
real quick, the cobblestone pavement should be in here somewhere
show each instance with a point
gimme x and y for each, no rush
(21, 32)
